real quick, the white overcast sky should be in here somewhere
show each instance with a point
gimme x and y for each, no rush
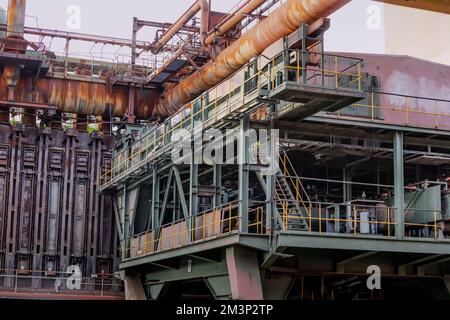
(349, 32)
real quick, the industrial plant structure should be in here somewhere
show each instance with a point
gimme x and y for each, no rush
(103, 166)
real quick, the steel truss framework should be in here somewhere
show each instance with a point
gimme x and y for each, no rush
(245, 244)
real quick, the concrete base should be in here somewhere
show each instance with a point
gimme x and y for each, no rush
(134, 288)
(243, 270)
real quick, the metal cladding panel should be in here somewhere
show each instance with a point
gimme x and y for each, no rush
(3, 193)
(54, 204)
(51, 215)
(26, 213)
(82, 97)
(407, 76)
(79, 219)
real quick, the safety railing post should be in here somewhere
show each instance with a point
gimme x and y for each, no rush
(435, 227)
(16, 284)
(437, 114)
(320, 218)
(336, 61)
(389, 222)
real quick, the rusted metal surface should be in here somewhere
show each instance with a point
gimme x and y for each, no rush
(205, 8)
(233, 19)
(177, 26)
(282, 22)
(14, 41)
(81, 97)
(51, 215)
(16, 18)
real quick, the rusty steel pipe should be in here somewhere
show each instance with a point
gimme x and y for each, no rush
(205, 8)
(177, 26)
(16, 18)
(234, 19)
(281, 23)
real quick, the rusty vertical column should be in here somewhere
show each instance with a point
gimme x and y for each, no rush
(131, 117)
(15, 43)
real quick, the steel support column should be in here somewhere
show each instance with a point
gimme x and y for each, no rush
(193, 188)
(243, 270)
(273, 160)
(154, 221)
(134, 289)
(217, 180)
(399, 183)
(244, 172)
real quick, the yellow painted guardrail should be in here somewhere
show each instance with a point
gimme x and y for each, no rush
(201, 113)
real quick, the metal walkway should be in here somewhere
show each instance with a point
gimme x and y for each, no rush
(315, 88)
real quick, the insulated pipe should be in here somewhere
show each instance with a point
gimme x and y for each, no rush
(185, 18)
(234, 19)
(280, 23)
(16, 18)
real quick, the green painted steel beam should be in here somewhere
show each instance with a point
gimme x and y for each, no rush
(377, 125)
(368, 243)
(260, 243)
(399, 185)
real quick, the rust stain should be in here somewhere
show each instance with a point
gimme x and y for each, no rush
(81, 97)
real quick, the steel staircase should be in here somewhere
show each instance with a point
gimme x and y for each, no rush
(293, 216)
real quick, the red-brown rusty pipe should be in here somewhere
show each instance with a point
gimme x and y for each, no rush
(185, 18)
(234, 19)
(16, 18)
(281, 23)
(205, 8)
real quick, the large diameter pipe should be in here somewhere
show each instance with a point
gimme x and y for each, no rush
(16, 18)
(281, 23)
(234, 19)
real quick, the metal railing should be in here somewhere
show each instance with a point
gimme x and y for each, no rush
(404, 110)
(357, 221)
(363, 220)
(211, 224)
(291, 175)
(216, 105)
(20, 280)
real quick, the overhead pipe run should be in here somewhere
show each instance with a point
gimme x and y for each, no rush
(199, 5)
(280, 23)
(234, 19)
